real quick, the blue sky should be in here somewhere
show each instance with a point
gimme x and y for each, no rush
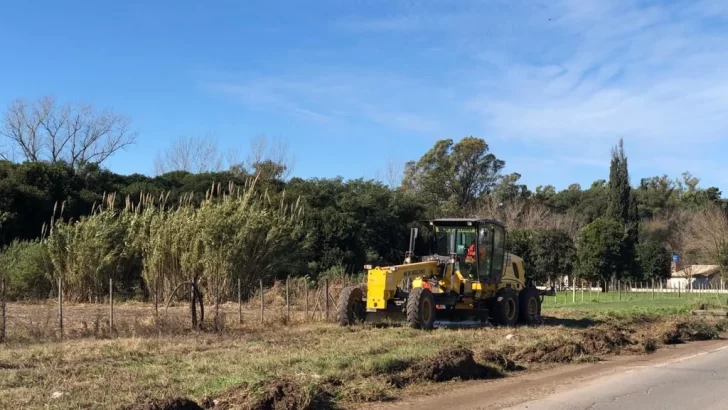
(351, 85)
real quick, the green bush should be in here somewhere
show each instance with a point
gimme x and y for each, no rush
(26, 266)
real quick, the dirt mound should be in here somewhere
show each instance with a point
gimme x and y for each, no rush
(605, 341)
(500, 359)
(449, 364)
(686, 331)
(276, 395)
(553, 351)
(649, 345)
(177, 403)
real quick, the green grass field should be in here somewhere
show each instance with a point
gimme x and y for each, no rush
(588, 303)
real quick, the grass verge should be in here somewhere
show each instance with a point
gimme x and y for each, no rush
(318, 365)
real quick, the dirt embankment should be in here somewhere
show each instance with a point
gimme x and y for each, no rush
(454, 363)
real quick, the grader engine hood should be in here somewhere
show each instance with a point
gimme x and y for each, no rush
(383, 282)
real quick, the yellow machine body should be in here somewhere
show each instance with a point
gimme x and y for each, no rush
(467, 274)
(383, 282)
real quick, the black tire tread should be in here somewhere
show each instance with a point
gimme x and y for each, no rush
(414, 304)
(524, 296)
(499, 311)
(345, 314)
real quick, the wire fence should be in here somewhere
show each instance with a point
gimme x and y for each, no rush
(635, 290)
(286, 302)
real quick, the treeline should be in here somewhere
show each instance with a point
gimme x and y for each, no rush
(87, 224)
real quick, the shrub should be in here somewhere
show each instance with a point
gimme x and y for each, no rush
(27, 267)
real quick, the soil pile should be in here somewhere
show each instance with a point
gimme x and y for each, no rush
(605, 341)
(686, 331)
(276, 395)
(177, 403)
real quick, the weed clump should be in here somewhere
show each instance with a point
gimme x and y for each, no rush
(177, 403)
(649, 345)
(282, 394)
(553, 351)
(451, 363)
(605, 341)
(686, 331)
(500, 359)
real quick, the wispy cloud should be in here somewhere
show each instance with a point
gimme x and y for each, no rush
(650, 74)
(385, 99)
(565, 78)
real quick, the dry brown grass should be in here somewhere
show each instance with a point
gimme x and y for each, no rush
(303, 365)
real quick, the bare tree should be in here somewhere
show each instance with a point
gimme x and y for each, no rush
(45, 130)
(203, 154)
(707, 236)
(192, 155)
(265, 154)
(392, 175)
(520, 213)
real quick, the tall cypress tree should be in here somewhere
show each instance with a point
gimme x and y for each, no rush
(622, 207)
(619, 190)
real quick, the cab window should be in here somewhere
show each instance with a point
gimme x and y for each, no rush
(499, 241)
(485, 246)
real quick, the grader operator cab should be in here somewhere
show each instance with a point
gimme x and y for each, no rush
(467, 275)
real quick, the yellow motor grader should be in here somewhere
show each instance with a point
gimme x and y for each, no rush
(468, 275)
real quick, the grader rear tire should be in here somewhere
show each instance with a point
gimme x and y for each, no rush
(351, 308)
(505, 307)
(530, 306)
(421, 309)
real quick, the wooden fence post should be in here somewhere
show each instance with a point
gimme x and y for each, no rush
(288, 299)
(156, 296)
(111, 304)
(60, 305)
(240, 303)
(306, 301)
(619, 288)
(326, 298)
(262, 317)
(2, 309)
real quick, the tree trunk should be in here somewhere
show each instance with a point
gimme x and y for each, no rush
(202, 306)
(193, 300)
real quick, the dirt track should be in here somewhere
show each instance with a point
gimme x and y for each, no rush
(530, 386)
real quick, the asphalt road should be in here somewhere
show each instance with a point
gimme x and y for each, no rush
(693, 382)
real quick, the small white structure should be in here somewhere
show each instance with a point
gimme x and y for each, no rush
(695, 277)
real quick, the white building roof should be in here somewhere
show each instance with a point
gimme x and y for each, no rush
(697, 270)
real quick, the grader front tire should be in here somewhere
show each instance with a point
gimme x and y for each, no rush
(421, 309)
(505, 307)
(351, 308)
(530, 306)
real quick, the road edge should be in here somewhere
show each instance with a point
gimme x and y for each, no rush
(522, 387)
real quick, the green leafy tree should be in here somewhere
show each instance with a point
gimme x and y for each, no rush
(451, 176)
(508, 189)
(520, 243)
(552, 254)
(655, 195)
(599, 251)
(654, 260)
